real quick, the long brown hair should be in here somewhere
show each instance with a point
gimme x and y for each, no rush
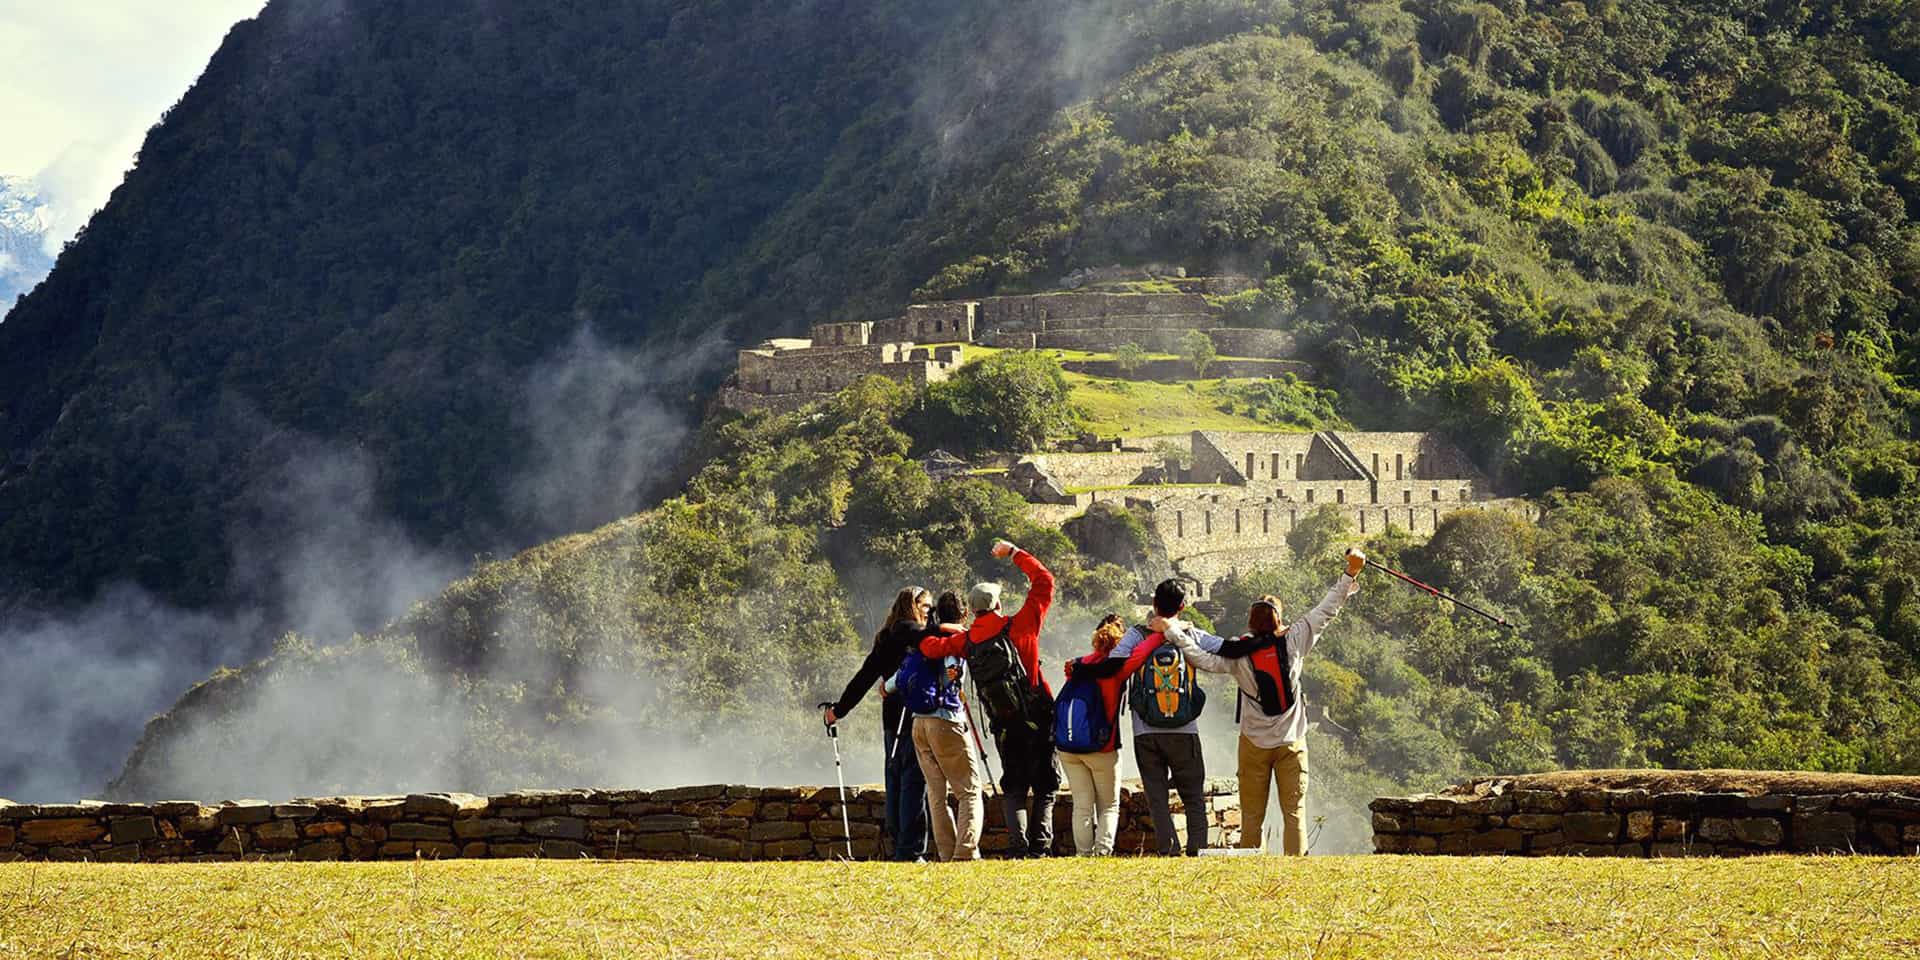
(1264, 616)
(906, 607)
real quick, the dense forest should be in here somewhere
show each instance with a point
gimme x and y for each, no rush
(1654, 263)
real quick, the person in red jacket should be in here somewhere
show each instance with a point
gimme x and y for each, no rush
(1029, 777)
(1094, 778)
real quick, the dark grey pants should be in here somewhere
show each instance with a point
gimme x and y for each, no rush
(1173, 760)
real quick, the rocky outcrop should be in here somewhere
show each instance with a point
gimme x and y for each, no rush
(684, 823)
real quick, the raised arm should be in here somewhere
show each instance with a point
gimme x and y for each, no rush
(942, 643)
(1039, 591)
(1115, 665)
(1305, 632)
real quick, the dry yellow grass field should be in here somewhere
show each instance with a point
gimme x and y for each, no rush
(1241, 907)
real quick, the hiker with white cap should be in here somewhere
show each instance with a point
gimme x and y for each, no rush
(1003, 655)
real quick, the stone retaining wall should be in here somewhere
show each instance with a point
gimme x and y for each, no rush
(1638, 823)
(684, 823)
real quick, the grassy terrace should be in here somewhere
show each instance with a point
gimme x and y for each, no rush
(1324, 907)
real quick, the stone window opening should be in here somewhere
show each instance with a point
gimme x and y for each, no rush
(1266, 521)
(1207, 518)
(1340, 495)
(1299, 461)
(1463, 494)
(1236, 523)
(1399, 467)
(1309, 495)
(1436, 494)
(1274, 469)
(1406, 496)
(1249, 466)
(1376, 466)
(1179, 524)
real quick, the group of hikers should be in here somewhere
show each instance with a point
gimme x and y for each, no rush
(927, 647)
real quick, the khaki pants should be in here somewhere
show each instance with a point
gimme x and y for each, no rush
(946, 758)
(1285, 765)
(1094, 779)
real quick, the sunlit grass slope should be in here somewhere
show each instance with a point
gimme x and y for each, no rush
(1267, 907)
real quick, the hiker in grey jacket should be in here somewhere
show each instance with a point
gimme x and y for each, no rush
(1265, 663)
(1170, 758)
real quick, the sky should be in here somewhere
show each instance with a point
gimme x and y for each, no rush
(81, 81)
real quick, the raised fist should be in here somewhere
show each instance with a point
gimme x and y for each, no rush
(1002, 549)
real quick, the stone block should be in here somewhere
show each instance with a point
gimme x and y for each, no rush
(1591, 827)
(1667, 851)
(396, 850)
(1392, 823)
(528, 813)
(658, 843)
(591, 811)
(485, 828)
(201, 824)
(665, 823)
(67, 810)
(174, 809)
(244, 813)
(1681, 803)
(1886, 836)
(361, 849)
(437, 851)
(15, 811)
(420, 831)
(1540, 801)
(1424, 845)
(563, 828)
(1392, 805)
(124, 853)
(724, 825)
(1534, 822)
(1391, 842)
(277, 835)
(1820, 804)
(1588, 850)
(517, 851)
(1434, 806)
(1911, 834)
(377, 832)
(562, 850)
(832, 830)
(782, 793)
(1588, 800)
(1716, 830)
(745, 793)
(1667, 828)
(6, 836)
(741, 808)
(787, 850)
(778, 830)
(775, 811)
(1770, 803)
(1546, 842)
(320, 850)
(1758, 831)
(1496, 841)
(474, 850)
(134, 829)
(1629, 799)
(1824, 831)
(384, 811)
(682, 794)
(295, 811)
(1639, 825)
(324, 829)
(442, 804)
(1443, 825)
(61, 830)
(1453, 843)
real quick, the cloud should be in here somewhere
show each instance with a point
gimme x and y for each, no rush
(86, 80)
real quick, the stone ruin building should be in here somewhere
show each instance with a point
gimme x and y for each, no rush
(926, 342)
(1221, 502)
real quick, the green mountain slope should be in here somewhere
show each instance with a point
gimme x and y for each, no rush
(1658, 256)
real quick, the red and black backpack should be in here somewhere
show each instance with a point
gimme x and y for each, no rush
(1270, 677)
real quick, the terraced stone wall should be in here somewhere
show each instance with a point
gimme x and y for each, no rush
(685, 823)
(1637, 823)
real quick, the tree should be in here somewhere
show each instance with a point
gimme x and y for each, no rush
(1129, 357)
(1009, 402)
(1198, 349)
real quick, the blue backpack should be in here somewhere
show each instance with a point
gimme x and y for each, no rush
(1080, 720)
(924, 682)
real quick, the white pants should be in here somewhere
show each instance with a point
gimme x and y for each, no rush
(1094, 779)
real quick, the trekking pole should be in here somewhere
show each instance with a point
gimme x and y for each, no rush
(846, 825)
(1439, 594)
